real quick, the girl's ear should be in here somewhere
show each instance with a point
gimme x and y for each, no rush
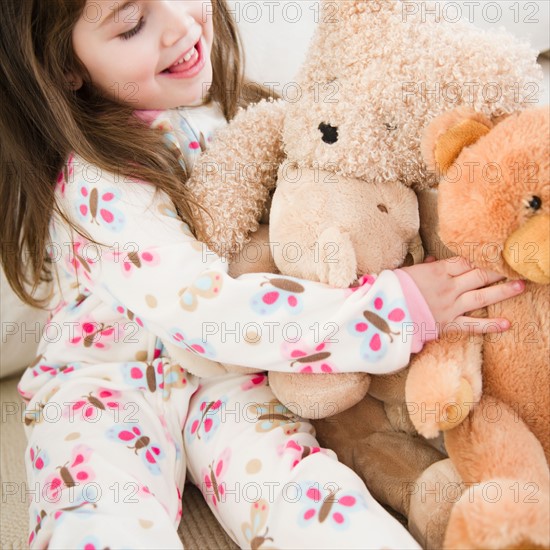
(74, 81)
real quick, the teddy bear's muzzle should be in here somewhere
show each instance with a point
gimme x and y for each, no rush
(527, 250)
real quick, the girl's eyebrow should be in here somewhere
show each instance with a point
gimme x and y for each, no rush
(115, 11)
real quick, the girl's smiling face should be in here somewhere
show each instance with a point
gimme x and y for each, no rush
(150, 54)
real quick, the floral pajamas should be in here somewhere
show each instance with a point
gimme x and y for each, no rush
(114, 422)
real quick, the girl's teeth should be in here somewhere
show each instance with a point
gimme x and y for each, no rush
(186, 57)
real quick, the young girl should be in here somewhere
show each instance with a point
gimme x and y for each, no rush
(95, 197)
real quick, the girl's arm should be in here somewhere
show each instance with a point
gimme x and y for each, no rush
(180, 291)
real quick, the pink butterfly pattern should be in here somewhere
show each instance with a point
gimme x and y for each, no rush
(62, 181)
(282, 292)
(100, 208)
(213, 485)
(207, 420)
(91, 334)
(39, 458)
(328, 505)
(39, 516)
(382, 320)
(297, 452)
(308, 359)
(149, 452)
(91, 406)
(254, 381)
(73, 473)
(195, 345)
(136, 259)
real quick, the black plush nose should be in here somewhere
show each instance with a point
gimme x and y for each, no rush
(330, 133)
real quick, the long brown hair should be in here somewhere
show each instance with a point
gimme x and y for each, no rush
(42, 120)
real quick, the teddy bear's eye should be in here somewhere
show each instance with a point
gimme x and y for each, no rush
(382, 208)
(534, 203)
(390, 126)
(330, 133)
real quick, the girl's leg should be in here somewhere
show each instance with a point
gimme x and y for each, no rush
(266, 479)
(106, 464)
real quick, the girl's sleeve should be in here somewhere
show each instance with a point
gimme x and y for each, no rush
(152, 268)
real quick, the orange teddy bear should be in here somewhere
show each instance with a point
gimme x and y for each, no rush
(494, 203)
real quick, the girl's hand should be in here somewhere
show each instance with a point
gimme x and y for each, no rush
(453, 287)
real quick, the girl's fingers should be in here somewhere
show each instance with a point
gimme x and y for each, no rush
(476, 278)
(457, 266)
(475, 325)
(483, 297)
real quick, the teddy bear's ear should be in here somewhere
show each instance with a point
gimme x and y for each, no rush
(446, 136)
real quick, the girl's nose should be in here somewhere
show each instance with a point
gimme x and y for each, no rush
(178, 22)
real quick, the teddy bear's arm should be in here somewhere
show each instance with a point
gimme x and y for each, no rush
(232, 180)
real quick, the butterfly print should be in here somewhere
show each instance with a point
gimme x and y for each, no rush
(39, 458)
(94, 335)
(255, 381)
(298, 452)
(255, 532)
(72, 473)
(38, 367)
(380, 323)
(39, 517)
(149, 452)
(81, 259)
(334, 507)
(136, 260)
(65, 175)
(285, 292)
(154, 375)
(91, 542)
(274, 415)
(98, 207)
(91, 405)
(213, 483)
(205, 423)
(308, 359)
(206, 286)
(129, 314)
(34, 416)
(195, 345)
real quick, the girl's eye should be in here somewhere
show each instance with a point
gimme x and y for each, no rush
(132, 32)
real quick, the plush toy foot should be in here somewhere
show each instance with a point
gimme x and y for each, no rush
(319, 395)
(438, 396)
(500, 514)
(337, 263)
(432, 498)
(455, 411)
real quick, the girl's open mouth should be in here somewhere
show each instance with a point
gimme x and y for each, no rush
(189, 64)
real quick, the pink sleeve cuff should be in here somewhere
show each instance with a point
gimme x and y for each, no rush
(424, 322)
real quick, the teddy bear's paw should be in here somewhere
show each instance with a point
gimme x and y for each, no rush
(438, 396)
(455, 411)
(445, 413)
(500, 514)
(336, 261)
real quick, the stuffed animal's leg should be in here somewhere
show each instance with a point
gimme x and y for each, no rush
(443, 383)
(507, 504)
(336, 262)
